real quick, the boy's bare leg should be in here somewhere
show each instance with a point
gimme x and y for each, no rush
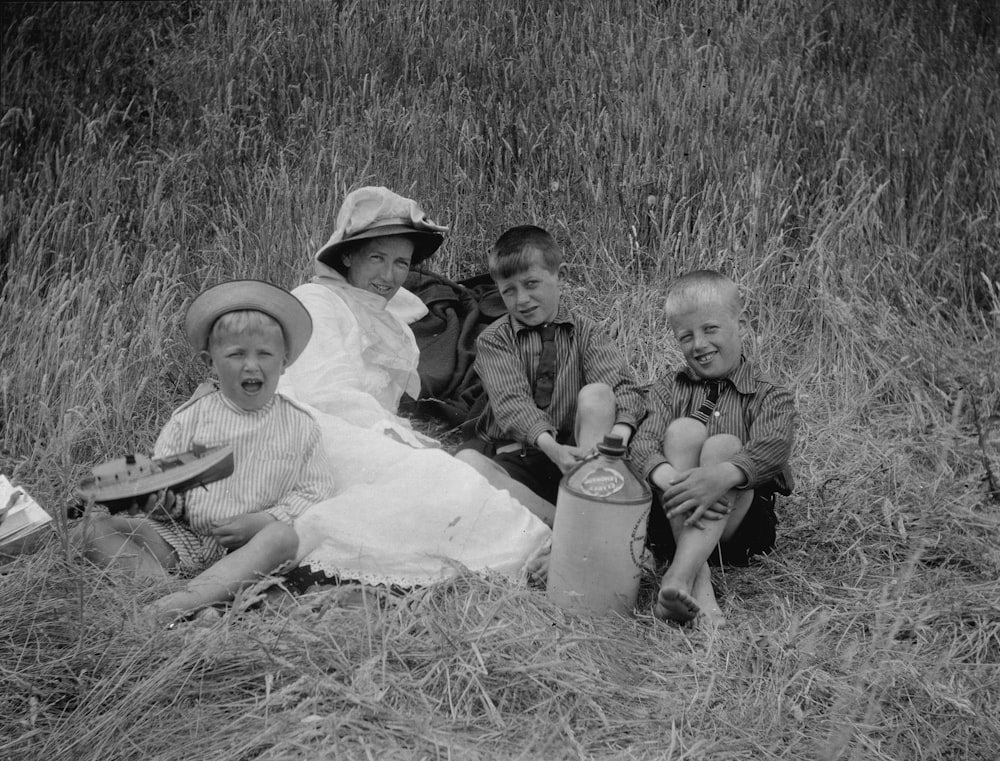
(676, 601)
(704, 595)
(678, 597)
(266, 551)
(537, 567)
(686, 588)
(702, 590)
(499, 479)
(126, 542)
(595, 415)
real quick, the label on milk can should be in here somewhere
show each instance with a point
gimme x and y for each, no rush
(602, 482)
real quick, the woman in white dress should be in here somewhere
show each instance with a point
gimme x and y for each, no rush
(406, 512)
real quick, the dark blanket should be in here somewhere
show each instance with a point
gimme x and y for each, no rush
(450, 390)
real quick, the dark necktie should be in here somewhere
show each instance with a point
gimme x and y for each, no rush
(704, 412)
(545, 378)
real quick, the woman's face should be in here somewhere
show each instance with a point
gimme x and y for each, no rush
(380, 265)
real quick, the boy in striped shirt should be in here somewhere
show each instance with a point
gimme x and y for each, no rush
(715, 444)
(556, 382)
(239, 528)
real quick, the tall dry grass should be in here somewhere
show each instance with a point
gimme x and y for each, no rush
(839, 159)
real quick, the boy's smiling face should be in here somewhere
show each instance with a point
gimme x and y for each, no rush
(532, 295)
(249, 364)
(710, 334)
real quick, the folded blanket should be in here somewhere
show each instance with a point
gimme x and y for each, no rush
(450, 390)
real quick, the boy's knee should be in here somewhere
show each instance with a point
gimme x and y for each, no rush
(687, 433)
(465, 455)
(83, 532)
(96, 538)
(277, 541)
(720, 448)
(471, 457)
(284, 539)
(80, 535)
(78, 531)
(595, 399)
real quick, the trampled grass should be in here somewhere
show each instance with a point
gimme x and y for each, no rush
(838, 159)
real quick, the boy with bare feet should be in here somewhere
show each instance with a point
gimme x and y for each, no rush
(715, 445)
(235, 530)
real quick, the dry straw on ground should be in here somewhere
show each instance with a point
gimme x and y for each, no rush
(838, 159)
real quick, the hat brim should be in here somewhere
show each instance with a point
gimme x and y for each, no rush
(240, 295)
(425, 243)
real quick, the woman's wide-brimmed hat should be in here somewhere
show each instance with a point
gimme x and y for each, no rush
(240, 295)
(373, 212)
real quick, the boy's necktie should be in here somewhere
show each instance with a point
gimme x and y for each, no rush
(704, 412)
(545, 379)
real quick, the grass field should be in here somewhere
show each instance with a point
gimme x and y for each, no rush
(840, 159)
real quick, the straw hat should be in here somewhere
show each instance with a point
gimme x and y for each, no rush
(373, 212)
(239, 295)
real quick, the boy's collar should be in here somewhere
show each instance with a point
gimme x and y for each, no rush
(563, 316)
(236, 408)
(744, 376)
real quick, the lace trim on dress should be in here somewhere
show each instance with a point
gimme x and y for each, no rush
(338, 574)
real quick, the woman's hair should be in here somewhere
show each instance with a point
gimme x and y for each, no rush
(702, 286)
(243, 321)
(520, 247)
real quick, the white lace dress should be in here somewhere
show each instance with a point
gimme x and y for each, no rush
(405, 513)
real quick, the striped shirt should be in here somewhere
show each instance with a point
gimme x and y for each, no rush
(507, 355)
(759, 413)
(280, 466)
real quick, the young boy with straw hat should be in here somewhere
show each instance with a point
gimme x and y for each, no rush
(239, 528)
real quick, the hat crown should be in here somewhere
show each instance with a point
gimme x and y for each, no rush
(373, 207)
(372, 212)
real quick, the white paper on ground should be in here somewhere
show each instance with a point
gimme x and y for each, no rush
(20, 515)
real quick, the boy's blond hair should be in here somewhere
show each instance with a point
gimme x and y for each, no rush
(519, 248)
(244, 321)
(700, 286)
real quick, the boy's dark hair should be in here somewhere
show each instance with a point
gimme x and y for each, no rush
(703, 285)
(520, 247)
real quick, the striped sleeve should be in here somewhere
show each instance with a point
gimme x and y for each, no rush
(768, 446)
(171, 439)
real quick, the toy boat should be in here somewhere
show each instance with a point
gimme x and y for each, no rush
(118, 483)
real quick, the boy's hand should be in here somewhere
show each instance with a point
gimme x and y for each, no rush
(701, 492)
(623, 430)
(564, 456)
(569, 457)
(239, 530)
(164, 505)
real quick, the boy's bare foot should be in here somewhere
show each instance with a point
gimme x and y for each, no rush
(704, 594)
(711, 618)
(674, 604)
(208, 616)
(168, 609)
(538, 567)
